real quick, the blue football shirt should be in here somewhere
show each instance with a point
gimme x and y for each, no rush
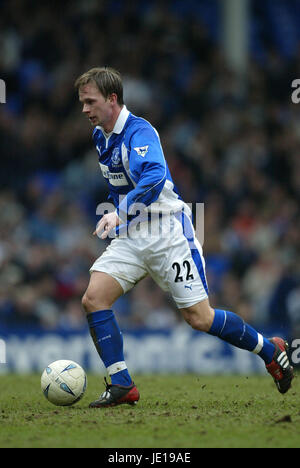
(133, 164)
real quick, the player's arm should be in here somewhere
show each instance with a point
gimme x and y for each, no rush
(147, 167)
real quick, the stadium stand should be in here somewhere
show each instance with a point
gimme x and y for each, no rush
(234, 147)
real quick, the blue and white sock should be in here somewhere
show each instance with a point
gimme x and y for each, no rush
(232, 328)
(108, 340)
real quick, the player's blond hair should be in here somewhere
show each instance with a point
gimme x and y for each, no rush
(107, 79)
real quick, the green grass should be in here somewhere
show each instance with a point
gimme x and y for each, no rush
(175, 411)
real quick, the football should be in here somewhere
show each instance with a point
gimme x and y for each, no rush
(63, 382)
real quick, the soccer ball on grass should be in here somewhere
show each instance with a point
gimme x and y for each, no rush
(63, 382)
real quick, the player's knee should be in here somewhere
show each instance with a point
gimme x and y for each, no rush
(198, 323)
(199, 318)
(86, 302)
(92, 302)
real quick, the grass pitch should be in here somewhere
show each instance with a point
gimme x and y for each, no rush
(175, 411)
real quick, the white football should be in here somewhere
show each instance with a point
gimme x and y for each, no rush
(63, 382)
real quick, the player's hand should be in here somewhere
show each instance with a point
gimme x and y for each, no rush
(106, 224)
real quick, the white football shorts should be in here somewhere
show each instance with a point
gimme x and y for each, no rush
(167, 250)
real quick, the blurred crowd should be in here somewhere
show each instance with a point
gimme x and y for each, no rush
(231, 142)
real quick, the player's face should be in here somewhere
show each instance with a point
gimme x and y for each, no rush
(95, 106)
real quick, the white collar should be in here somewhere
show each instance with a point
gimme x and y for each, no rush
(120, 122)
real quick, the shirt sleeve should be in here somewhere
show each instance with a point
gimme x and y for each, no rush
(147, 167)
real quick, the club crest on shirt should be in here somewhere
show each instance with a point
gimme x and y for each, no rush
(115, 158)
(142, 150)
